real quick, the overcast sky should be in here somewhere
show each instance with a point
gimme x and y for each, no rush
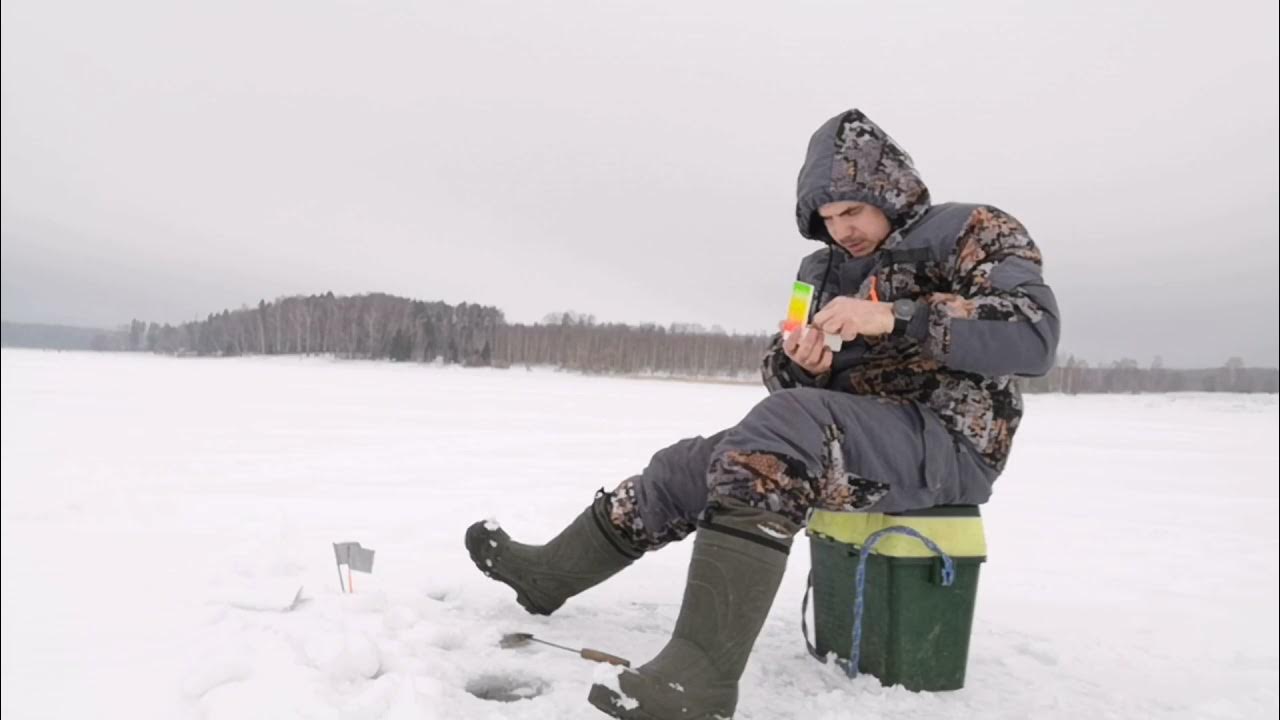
(635, 160)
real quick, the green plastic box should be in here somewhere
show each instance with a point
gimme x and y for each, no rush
(915, 631)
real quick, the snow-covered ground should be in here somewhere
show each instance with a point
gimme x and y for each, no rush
(156, 510)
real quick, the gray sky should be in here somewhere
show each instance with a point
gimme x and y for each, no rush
(635, 160)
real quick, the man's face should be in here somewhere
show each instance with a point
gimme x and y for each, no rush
(857, 227)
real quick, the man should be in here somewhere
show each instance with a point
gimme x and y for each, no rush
(939, 306)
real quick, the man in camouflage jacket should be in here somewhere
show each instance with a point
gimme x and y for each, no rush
(939, 307)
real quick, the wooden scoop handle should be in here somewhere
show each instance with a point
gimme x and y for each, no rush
(604, 657)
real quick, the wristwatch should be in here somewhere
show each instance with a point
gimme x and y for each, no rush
(903, 311)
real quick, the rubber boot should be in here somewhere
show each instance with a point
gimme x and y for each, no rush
(739, 556)
(584, 554)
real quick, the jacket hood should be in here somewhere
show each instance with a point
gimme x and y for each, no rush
(851, 159)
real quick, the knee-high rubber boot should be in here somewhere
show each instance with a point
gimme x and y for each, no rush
(583, 555)
(739, 556)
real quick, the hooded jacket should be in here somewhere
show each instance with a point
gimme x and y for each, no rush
(983, 311)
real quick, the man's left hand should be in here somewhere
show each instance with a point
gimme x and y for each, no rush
(850, 317)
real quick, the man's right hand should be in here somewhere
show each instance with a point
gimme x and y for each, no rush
(807, 348)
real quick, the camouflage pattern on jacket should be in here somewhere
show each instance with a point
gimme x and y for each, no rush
(983, 312)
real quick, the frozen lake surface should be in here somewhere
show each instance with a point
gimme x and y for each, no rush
(156, 509)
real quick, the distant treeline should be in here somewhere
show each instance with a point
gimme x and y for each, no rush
(380, 326)
(58, 337)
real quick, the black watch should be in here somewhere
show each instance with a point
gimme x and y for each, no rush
(903, 311)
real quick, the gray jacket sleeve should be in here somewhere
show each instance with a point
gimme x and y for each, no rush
(779, 373)
(1001, 318)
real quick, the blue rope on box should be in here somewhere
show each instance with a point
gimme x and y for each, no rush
(860, 582)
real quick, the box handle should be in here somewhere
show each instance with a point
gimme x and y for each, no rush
(860, 581)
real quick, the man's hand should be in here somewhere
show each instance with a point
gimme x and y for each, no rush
(850, 317)
(807, 348)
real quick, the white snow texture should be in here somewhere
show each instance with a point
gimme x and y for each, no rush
(159, 515)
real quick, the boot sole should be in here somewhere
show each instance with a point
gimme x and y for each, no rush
(474, 542)
(609, 702)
